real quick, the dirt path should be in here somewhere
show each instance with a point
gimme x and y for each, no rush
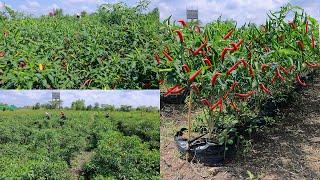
(78, 162)
(288, 150)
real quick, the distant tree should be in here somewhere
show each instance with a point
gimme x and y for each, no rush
(36, 106)
(56, 104)
(125, 108)
(108, 107)
(89, 107)
(78, 105)
(96, 106)
(83, 13)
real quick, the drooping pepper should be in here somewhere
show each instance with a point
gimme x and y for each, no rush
(170, 90)
(233, 86)
(207, 61)
(196, 52)
(300, 81)
(300, 45)
(251, 71)
(180, 34)
(313, 45)
(284, 70)
(312, 65)
(167, 56)
(205, 102)
(233, 67)
(157, 57)
(229, 33)
(278, 74)
(264, 88)
(244, 62)
(234, 106)
(264, 67)
(183, 22)
(185, 68)
(239, 42)
(214, 78)
(193, 76)
(250, 93)
(307, 26)
(224, 52)
(219, 103)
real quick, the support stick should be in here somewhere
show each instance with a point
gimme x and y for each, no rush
(189, 120)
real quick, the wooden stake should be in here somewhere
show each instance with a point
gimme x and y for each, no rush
(189, 120)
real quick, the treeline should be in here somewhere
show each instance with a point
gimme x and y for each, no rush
(81, 106)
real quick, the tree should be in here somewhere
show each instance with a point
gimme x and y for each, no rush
(78, 105)
(125, 108)
(96, 106)
(89, 107)
(36, 106)
(108, 107)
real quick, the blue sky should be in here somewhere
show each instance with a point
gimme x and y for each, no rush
(115, 97)
(239, 10)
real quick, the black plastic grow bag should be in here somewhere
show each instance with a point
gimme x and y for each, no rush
(203, 150)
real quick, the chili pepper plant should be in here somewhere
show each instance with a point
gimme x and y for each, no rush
(234, 70)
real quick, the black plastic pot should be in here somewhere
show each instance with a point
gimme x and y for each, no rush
(204, 150)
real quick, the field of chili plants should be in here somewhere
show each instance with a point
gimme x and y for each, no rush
(239, 75)
(107, 49)
(87, 145)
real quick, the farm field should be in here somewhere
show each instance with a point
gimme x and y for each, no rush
(111, 48)
(87, 145)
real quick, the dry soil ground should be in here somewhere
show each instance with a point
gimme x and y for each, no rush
(288, 150)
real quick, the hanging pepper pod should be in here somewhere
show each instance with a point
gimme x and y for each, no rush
(180, 34)
(301, 83)
(185, 68)
(214, 78)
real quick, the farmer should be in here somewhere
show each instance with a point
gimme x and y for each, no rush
(62, 118)
(107, 115)
(47, 116)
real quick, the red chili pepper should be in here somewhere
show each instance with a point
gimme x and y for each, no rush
(233, 67)
(193, 76)
(239, 43)
(199, 49)
(180, 34)
(307, 28)
(195, 88)
(314, 65)
(185, 68)
(250, 93)
(251, 71)
(208, 62)
(184, 24)
(229, 33)
(178, 90)
(219, 103)
(197, 29)
(244, 62)
(224, 52)
(300, 81)
(205, 102)
(249, 55)
(157, 57)
(313, 42)
(214, 78)
(233, 86)
(278, 74)
(300, 44)
(161, 82)
(167, 56)
(284, 70)
(264, 67)
(170, 90)
(264, 88)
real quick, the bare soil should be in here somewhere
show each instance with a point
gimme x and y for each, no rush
(290, 149)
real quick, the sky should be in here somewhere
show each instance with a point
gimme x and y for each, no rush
(115, 97)
(240, 10)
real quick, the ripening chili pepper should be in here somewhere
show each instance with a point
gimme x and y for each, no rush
(300, 45)
(292, 25)
(300, 81)
(183, 22)
(214, 78)
(264, 67)
(314, 65)
(264, 88)
(313, 45)
(205, 102)
(193, 76)
(307, 26)
(234, 106)
(180, 34)
(224, 52)
(170, 90)
(208, 62)
(161, 82)
(250, 93)
(278, 74)
(185, 68)
(195, 88)
(229, 33)
(167, 56)
(234, 47)
(233, 67)
(157, 57)
(219, 103)
(233, 86)
(196, 52)
(244, 62)
(284, 70)
(251, 71)
(178, 90)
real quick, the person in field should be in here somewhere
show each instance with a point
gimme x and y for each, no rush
(48, 116)
(107, 115)
(63, 117)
